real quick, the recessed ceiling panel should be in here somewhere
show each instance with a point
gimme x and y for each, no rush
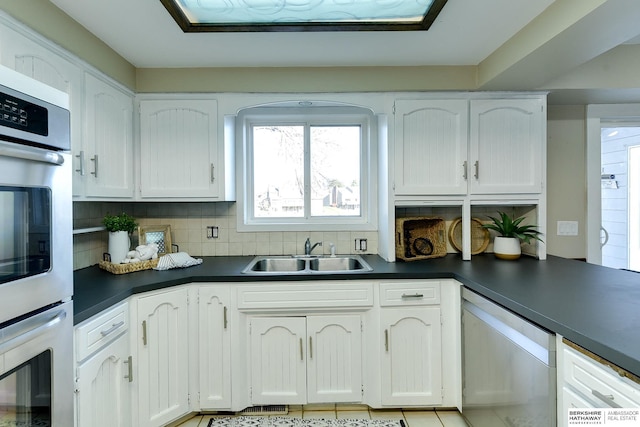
(303, 15)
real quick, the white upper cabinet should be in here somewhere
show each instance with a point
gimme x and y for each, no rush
(469, 147)
(107, 155)
(430, 146)
(506, 145)
(179, 149)
(40, 63)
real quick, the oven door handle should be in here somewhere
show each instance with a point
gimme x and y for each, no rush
(25, 333)
(31, 153)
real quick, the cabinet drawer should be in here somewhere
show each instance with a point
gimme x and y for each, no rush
(300, 295)
(599, 383)
(100, 330)
(409, 293)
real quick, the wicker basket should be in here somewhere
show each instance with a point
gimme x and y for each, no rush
(420, 238)
(128, 268)
(479, 236)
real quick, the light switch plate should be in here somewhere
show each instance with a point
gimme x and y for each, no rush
(567, 228)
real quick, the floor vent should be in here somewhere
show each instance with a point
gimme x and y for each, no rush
(266, 410)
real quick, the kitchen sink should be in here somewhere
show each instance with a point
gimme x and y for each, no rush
(276, 265)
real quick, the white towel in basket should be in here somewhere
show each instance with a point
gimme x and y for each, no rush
(176, 260)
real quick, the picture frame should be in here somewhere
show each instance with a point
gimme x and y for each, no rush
(159, 234)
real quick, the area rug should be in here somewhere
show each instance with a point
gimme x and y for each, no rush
(244, 421)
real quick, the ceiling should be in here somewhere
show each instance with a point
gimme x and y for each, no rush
(466, 33)
(143, 32)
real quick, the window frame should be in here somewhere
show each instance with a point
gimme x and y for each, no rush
(307, 116)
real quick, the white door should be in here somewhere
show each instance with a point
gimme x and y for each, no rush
(431, 147)
(506, 138)
(334, 362)
(104, 395)
(162, 358)
(411, 356)
(214, 347)
(278, 360)
(178, 148)
(108, 140)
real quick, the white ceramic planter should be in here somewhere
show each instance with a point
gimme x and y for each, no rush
(507, 248)
(119, 244)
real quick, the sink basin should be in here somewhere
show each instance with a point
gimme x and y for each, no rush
(282, 265)
(279, 264)
(343, 263)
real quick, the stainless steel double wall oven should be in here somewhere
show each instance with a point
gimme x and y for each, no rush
(36, 266)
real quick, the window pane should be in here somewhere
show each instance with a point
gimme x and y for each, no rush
(335, 170)
(278, 171)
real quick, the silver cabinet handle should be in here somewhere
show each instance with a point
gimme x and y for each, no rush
(464, 170)
(606, 398)
(224, 317)
(407, 296)
(81, 158)
(301, 350)
(129, 363)
(94, 159)
(213, 175)
(310, 348)
(386, 340)
(112, 328)
(477, 170)
(144, 332)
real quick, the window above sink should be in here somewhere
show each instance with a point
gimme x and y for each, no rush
(307, 168)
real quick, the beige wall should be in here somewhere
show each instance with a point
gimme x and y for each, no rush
(566, 179)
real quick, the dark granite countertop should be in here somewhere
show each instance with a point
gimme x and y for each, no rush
(596, 307)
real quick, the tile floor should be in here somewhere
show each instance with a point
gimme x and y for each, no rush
(412, 418)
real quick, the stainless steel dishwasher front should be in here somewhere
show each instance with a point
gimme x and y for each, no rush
(509, 367)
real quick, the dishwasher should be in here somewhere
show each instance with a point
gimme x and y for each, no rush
(509, 367)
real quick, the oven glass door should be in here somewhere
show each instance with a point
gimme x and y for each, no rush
(25, 393)
(25, 232)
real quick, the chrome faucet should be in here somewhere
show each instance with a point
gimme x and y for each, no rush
(308, 248)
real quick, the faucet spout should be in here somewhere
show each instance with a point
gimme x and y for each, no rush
(308, 247)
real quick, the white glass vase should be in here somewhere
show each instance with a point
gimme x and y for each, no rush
(119, 244)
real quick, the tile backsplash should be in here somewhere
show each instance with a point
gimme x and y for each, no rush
(189, 222)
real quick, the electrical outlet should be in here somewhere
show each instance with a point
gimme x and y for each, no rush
(360, 245)
(212, 232)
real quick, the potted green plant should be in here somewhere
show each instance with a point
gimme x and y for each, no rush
(119, 227)
(510, 233)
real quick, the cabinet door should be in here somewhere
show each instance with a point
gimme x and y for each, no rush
(278, 360)
(214, 347)
(411, 359)
(431, 147)
(40, 63)
(178, 146)
(103, 395)
(163, 358)
(108, 136)
(334, 362)
(506, 140)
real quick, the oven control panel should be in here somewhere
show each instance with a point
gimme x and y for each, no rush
(19, 114)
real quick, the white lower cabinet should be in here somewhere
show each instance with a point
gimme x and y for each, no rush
(312, 359)
(103, 370)
(214, 347)
(412, 356)
(379, 344)
(103, 391)
(587, 381)
(161, 341)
